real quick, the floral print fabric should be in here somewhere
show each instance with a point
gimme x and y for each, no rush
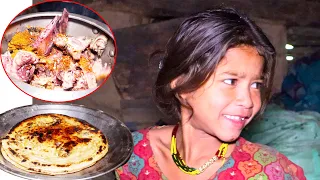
(248, 161)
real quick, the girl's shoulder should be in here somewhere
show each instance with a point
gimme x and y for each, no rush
(258, 160)
(141, 163)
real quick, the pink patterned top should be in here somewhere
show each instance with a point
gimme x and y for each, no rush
(248, 161)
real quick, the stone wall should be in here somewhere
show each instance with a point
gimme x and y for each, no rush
(277, 33)
(119, 19)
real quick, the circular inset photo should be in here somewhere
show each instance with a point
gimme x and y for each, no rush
(58, 51)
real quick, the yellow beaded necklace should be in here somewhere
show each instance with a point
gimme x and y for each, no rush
(220, 154)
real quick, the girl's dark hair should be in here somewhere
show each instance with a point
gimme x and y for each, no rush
(196, 48)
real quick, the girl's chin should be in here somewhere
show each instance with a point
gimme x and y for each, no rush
(229, 138)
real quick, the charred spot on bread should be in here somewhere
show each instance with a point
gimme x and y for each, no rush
(63, 165)
(13, 152)
(84, 140)
(45, 164)
(69, 146)
(100, 150)
(104, 140)
(35, 163)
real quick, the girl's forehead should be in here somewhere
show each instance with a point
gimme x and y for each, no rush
(240, 55)
(243, 59)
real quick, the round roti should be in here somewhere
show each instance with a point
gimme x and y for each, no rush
(54, 144)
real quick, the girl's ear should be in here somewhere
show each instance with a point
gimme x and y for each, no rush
(180, 96)
(173, 83)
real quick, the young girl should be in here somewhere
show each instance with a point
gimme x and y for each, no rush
(216, 77)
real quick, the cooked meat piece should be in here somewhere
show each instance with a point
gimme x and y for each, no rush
(59, 75)
(74, 45)
(25, 57)
(88, 55)
(63, 22)
(86, 81)
(58, 25)
(91, 80)
(81, 84)
(61, 41)
(74, 65)
(99, 44)
(57, 81)
(22, 66)
(55, 54)
(26, 72)
(42, 80)
(68, 80)
(40, 69)
(53, 61)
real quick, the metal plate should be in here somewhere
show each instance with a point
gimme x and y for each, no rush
(78, 25)
(118, 135)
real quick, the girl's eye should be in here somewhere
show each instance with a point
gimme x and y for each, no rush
(256, 85)
(230, 81)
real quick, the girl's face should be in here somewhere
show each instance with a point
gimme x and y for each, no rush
(230, 99)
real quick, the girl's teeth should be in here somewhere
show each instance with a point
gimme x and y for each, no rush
(234, 117)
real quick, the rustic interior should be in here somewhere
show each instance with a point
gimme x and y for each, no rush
(141, 27)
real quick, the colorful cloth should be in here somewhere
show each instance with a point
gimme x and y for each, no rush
(294, 134)
(248, 161)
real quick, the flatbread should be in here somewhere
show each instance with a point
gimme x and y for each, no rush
(54, 144)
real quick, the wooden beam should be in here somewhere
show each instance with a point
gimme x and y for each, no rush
(306, 40)
(304, 31)
(299, 52)
(304, 36)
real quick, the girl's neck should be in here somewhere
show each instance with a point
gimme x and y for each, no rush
(194, 145)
